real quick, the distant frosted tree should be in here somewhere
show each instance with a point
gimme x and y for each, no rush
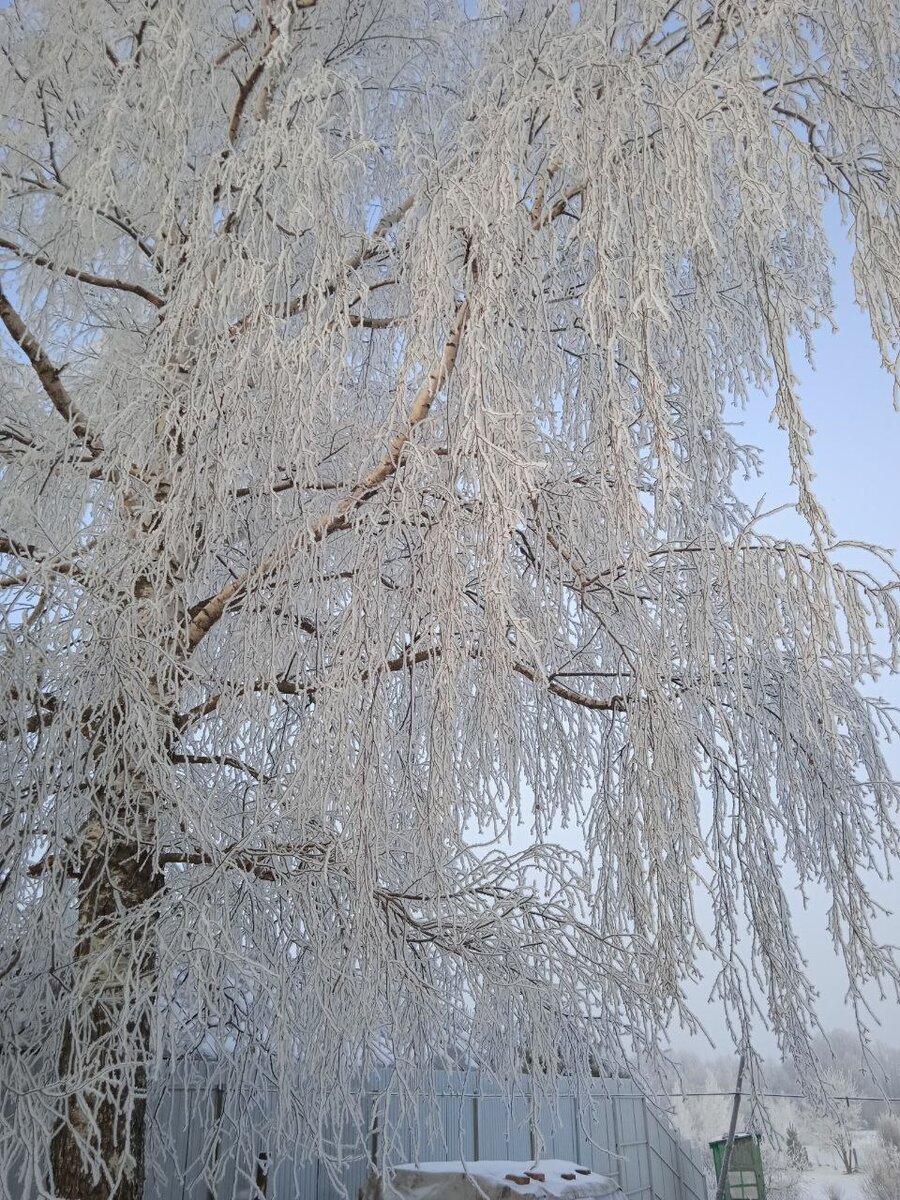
(836, 1123)
(797, 1154)
(367, 502)
(882, 1174)
(889, 1133)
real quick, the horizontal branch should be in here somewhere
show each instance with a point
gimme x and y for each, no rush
(609, 704)
(45, 708)
(237, 856)
(481, 900)
(358, 322)
(8, 581)
(8, 434)
(100, 281)
(46, 864)
(223, 760)
(24, 550)
(287, 484)
(306, 624)
(9, 545)
(315, 485)
(297, 687)
(406, 661)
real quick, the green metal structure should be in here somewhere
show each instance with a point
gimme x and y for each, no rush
(745, 1171)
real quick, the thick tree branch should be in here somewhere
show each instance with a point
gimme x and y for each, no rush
(316, 485)
(46, 864)
(337, 518)
(296, 687)
(247, 87)
(47, 373)
(8, 581)
(306, 624)
(286, 485)
(238, 856)
(539, 219)
(29, 553)
(45, 707)
(598, 704)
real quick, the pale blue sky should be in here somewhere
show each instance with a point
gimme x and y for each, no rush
(848, 398)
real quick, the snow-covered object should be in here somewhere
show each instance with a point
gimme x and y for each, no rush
(489, 1179)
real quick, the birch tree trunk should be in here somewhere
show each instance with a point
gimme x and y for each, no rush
(99, 1148)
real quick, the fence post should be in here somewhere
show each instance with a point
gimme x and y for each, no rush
(577, 1118)
(648, 1150)
(617, 1135)
(476, 1137)
(218, 1099)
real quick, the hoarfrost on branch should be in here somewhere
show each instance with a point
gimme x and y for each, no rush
(367, 517)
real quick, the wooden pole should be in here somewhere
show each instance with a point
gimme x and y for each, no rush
(729, 1145)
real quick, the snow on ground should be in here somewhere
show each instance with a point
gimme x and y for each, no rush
(814, 1185)
(826, 1172)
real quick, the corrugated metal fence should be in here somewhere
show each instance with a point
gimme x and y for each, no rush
(614, 1130)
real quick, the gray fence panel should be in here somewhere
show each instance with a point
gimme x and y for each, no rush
(351, 1174)
(598, 1138)
(206, 1153)
(455, 1094)
(179, 1124)
(353, 1180)
(503, 1131)
(191, 1151)
(289, 1180)
(663, 1157)
(457, 1120)
(446, 1121)
(165, 1147)
(635, 1178)
(190, 1138)
(237, 1175)
(693, 1176)
(557, 1121)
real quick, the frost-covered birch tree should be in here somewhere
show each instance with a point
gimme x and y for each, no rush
(369, 518)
